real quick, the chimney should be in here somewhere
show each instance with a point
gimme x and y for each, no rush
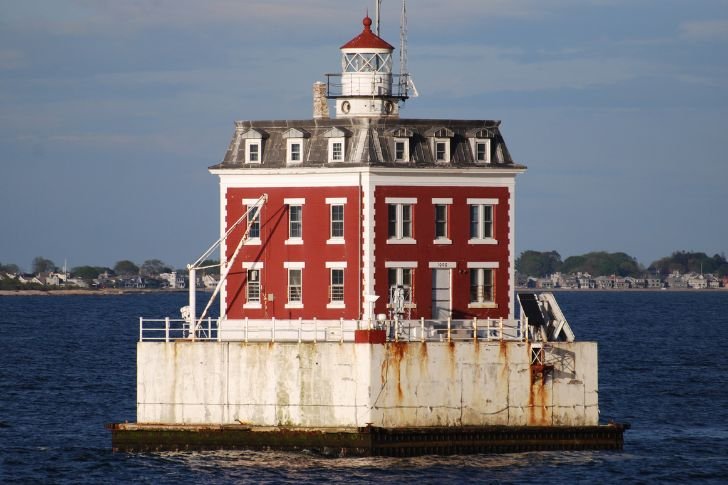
(320, 103)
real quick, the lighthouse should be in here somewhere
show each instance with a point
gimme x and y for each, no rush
(367, 300)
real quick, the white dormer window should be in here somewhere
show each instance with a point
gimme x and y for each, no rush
(337, 144)
(253, 146)
(480, 144)
(336, 149)
(294, 145)
(401, 150)
(252, 151)
(294, 149)
(442, 149)
(440, 143)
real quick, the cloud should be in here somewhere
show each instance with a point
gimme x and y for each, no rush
(704, 30)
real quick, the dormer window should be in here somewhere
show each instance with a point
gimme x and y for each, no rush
(294, 145)
(440, 144)
(480, 144)
(401, 145)
(336, 145)
(253, 145)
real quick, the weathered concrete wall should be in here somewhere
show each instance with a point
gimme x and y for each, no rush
(352, 385)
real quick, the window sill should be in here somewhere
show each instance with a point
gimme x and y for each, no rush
(295, 241)
(442, 241)
(336, 241)
(253, 241)
(488, 240)
(253, 306)
(485, 304)
(295, 304)
(404, 240)
(336, 304)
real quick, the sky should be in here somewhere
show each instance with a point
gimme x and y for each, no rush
(112, 110)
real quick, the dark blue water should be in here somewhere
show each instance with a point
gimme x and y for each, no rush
(68, 367)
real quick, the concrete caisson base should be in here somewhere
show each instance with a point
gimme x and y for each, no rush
(369, 441)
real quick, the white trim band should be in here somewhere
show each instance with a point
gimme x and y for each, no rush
(483, 264)
(400, 264)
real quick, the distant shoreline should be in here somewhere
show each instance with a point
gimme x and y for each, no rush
(86, 291)
(146, 291)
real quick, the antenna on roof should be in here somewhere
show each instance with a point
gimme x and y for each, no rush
(405, 80)
(376, 17)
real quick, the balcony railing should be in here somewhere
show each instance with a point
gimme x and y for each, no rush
(276, 330)
(336, 86)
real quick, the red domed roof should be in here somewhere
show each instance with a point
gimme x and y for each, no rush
(367, 39)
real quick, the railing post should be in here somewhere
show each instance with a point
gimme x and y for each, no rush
(141, 325)
(341, 328)
(273, 331)
(487, 330)
(500, 326)
(422, 329)
(315, 329)
(166, 329)
(246, 330)
(475, 328)
(526, 329)
(449, 321)
(300, 326)
(209, 328)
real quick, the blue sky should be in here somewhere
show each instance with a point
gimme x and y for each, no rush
(112, 110)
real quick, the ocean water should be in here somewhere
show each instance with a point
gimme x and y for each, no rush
(68, 367)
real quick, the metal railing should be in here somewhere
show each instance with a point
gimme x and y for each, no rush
(276, 330)
(392, 85)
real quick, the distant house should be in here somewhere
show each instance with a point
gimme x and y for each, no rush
(697, 282)
(56, 279)
(209, 281)
(173, 280)
(676, 280)
(653, 282)
(604, 282)
(29, 278)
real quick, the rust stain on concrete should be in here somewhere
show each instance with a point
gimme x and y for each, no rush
(398, 353)
(538, 401)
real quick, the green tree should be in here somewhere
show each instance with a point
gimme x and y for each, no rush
(691, 262)
(87, 273)
(214, 266)
(9, 268)
(153, 267)
(602, 263)
(42, 265)
(126, 268)
(538, 264)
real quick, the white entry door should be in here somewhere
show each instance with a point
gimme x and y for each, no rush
(441, 307)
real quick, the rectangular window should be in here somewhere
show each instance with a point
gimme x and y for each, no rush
(481, 285)
(253, 152)
(253, 286)
(295, 286)
(295, 226)
(399, 221)
(440, 221)
(337, 151)
(481, 221)
(337, 221)
(399, 281)
(401, 150)
(295, 152)
(254, 219)
(440, 151)
(481, 152)
(336, 291)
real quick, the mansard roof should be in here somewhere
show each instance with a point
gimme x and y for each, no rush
(369, 142)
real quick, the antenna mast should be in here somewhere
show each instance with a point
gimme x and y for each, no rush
(376, 17)
(403, 75)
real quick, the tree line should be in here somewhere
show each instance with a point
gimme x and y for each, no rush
(600, 263)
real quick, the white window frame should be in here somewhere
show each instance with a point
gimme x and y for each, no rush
(291, 203)
(249, 144)
(253, 266)
(294, 266)
(290, 142)
(399, 223)
(479, 269)
(481, 237)
(332, 202)
(338, 266)
(406, 151)
(446, 142)
(332, 142)
(447, 202)
(481, 141)
(250, 204)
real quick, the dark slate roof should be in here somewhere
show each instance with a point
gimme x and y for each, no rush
(368, 142)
